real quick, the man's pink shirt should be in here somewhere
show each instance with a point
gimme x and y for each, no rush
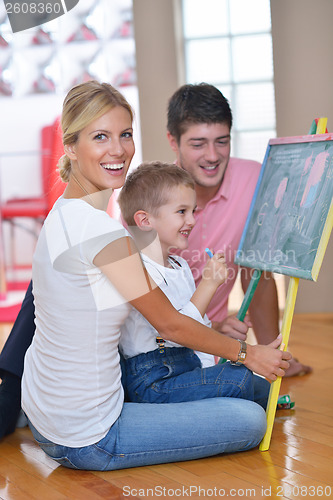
(219, 226)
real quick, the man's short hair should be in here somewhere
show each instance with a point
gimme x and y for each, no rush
(201, 103)
(147, 188)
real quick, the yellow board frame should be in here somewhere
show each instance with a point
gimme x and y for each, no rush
(289, 311)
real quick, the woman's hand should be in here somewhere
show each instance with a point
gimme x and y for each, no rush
(268, 360)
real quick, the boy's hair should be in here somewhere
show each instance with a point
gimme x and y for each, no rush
(201, 103)
(147, 188)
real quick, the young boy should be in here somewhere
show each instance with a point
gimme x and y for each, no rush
(157, 203)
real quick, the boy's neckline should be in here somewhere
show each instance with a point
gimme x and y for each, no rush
(171, 261)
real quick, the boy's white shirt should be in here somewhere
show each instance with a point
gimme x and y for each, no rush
(138, 335)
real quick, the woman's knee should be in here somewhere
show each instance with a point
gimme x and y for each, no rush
(241, 414)
(257, 422)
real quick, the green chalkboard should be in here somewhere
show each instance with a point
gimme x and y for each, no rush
(291, 214)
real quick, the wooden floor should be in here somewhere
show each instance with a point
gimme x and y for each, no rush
(298, 465)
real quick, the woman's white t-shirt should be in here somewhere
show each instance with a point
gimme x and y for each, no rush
(71, 386)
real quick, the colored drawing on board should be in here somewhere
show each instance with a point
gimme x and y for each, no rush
(316, 173)
(291, 213)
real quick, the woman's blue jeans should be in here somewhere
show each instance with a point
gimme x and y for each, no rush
(175, 375)
(147, 434)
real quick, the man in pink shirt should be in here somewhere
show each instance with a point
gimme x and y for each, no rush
(199, 124)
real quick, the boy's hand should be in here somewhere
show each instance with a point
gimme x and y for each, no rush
(215, 271)
(214, 274)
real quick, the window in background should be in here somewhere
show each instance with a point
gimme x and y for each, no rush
(94, 40)
(228, 43)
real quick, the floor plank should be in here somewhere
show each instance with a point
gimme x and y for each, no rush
(299, 463)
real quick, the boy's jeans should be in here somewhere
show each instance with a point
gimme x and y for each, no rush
(175, 375)
(146, 434)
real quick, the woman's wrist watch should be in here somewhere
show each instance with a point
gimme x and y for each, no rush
(241, 355)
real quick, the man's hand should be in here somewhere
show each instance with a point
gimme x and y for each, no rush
(233, 327)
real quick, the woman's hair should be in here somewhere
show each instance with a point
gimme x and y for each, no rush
(192, 104)
(83, 104)
(147, 188)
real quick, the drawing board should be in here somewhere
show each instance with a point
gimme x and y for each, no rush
(291, 215)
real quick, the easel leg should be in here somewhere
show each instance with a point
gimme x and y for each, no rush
(249, 294)
(275, 387)
(247, 299)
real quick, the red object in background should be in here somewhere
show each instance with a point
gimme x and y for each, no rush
(53, 187)
(9, 314)
(35, 208)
